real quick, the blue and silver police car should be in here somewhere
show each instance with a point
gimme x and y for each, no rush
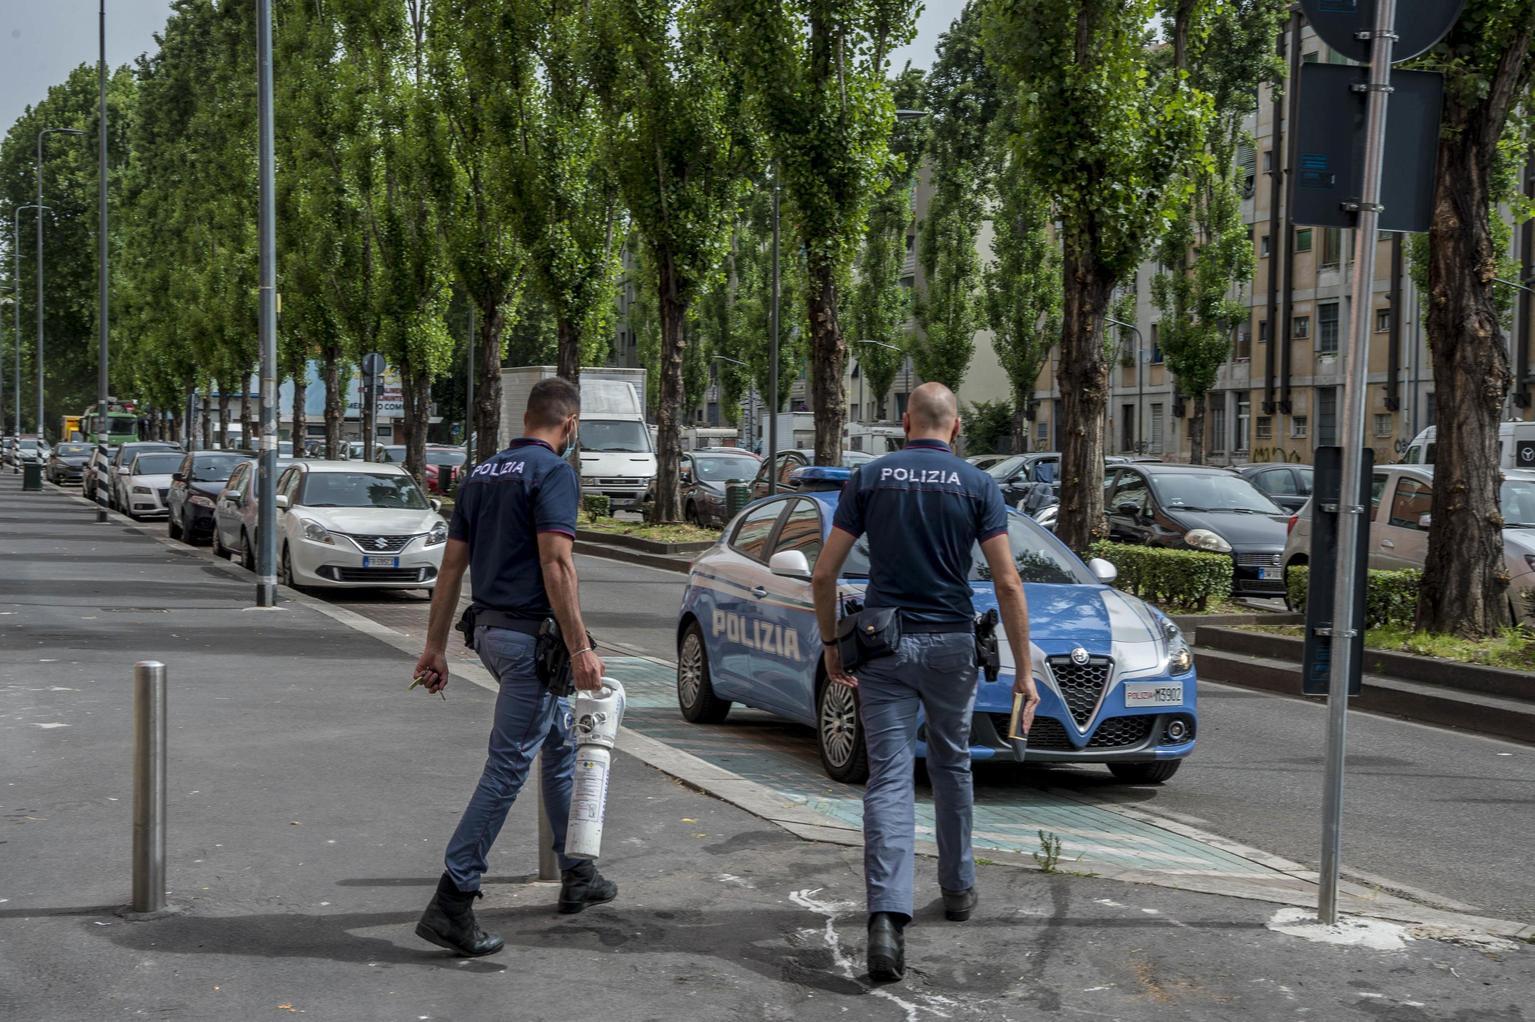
(1115, 676)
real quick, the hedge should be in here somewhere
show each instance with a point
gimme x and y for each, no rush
(1181, 579)
(1390, 599)
(598, 505)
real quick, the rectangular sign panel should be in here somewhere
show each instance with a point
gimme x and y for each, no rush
(1316, 662)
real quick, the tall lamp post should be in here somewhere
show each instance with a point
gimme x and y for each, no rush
(266, 513)
(101, 240)
(905, 366)
(751, 400)
(40, 136)
(1140, 378)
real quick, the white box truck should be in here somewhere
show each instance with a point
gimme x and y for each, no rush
(618, 457)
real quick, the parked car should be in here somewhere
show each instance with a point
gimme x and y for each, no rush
(66, 463)
(704, 475)
(25, 450)
(1116, 678)
(1399, 533)
(341, 524)
(234, 513)
(122, 460)
(984, 461)
(1516, 445)
(436, 455)
(195, 485)
(96, 480)
(1199, 507)
(792, 460)
(1018, 474)
(146, 481)
(1285, 484)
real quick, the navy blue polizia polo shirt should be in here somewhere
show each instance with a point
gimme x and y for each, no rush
(502, 507)
(923, 510)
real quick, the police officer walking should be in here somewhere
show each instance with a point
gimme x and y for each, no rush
(923, 510)
(514, 525)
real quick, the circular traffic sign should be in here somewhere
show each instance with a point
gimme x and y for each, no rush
(373, 364)
(1419, 25)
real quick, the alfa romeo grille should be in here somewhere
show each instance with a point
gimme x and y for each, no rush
(1121, 731)
(1081, 684)
(1258, 560)
(381, 544)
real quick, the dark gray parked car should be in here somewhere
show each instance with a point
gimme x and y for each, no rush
(66, 464)
(704, 475)
(1285, 484)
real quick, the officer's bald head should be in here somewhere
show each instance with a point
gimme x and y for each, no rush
(932, 411)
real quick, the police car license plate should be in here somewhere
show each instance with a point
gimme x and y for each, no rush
(1153, 693)
(380, 562)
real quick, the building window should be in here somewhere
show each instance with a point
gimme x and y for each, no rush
(1297, 427)
(1242, 342)
(1327, 329)
(1308, 58)
(1156, 345)
(1382, 321)
(1300, 327)
(1332, 246)
(1263, 427)
(1382, 423)
(1303, 240)
(1268, 161)
(1156, 428)
(1263, 331)
(1042, 433)
(1127, 427)
(1263, 246)
(1327, 416)
(1218, 422)
(1244, 421)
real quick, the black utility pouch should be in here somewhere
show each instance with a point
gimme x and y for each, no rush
(987, 656)
(552, 659)
(466, 625)
(868, 635)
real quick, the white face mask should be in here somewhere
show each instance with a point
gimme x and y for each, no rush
(569, 447)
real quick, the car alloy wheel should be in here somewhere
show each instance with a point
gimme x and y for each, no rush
(839, 734)
(695, 691)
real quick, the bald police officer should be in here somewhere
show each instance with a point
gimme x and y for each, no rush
(514, 525)
(923, 510)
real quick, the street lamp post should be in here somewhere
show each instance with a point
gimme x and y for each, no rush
(905, 367)
(751, 400)
(774, 402)
(40, 136)
(1140, 378)
(266, 478)
(101, 240)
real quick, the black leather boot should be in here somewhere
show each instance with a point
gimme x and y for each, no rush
(449, 922)
(887, 947)
(582, 886)
(957, 905)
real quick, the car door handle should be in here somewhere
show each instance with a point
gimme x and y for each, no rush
(759, 591)
(1387, 544)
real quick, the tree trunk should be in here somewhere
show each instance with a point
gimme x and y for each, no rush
(335, 400)
(416, 392)
(487, 387)
(668, 441)
(206, 440)
(569, 352)
(827, 357)
(1084, 380)
(1464, 580)
(300, 420)
(1197, 429)
(223, 419)
(1021, 395)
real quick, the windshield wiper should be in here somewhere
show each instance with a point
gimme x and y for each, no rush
(1189, 507)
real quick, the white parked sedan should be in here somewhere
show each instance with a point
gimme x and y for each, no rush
(147, 481)
(346, 524)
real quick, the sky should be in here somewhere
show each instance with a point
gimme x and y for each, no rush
(42, 40)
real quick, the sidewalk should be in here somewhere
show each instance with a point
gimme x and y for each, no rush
(310, 796)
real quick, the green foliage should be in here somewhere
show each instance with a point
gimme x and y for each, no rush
(597, 505)
(988, 425)
(1391, 597)
(1188, 580)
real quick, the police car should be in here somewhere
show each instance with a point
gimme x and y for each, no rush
(1115, 676)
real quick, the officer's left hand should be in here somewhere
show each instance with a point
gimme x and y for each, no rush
(432, 668)
(1024, 686)
(834, 671)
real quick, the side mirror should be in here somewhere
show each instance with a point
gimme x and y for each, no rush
(687, 478)
(790, 564)
(1102, 570)
(436, 504)
(282, 501)
(1424, 521)
(1127, 508)
(177, 477)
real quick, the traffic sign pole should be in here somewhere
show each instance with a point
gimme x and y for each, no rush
(1355, 385)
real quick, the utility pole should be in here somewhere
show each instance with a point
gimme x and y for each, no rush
(101, 241)
(773, 400)
(469, 399)
(266, 515)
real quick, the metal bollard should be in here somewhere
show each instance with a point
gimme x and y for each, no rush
(148, 786)
(548, 865)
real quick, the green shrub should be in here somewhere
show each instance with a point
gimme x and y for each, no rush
(1181, 579)
(1391, 599)
(597, 505)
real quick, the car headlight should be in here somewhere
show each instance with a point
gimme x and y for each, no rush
(1180, 659)
(317, 533)
(438, 535)
(200, 499)
(146, 491)
(1204, 539)
(1530, 560)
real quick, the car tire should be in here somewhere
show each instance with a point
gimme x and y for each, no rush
(690, 514)
(1146, 773)
(247, 553)
(217, 544)
(695, 690)
(174, 528)
(839, 734)
(285, 571)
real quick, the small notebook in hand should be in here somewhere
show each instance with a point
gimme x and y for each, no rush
(1015, 733)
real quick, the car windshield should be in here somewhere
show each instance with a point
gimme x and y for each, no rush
(1210, 491)
(1517, 499)
(362, 489)
(214, 468)
(445, 456)
(720, 469)
(27, 445)
(156, 464)
(1038, 556)
(394, 455)
(1005, 469)
(72, 450)
(614, 436)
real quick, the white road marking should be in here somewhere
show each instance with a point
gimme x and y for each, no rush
(832, 910)
(50, 725)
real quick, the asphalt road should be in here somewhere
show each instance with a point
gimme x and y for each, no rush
(1426, 809)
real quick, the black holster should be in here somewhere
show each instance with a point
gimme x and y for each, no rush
(865, 635)
(987, 656)
(551, 658)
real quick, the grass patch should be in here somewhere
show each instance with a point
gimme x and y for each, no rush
(1513, 648)
(676, 532)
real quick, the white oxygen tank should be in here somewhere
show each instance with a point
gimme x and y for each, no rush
(597, 715)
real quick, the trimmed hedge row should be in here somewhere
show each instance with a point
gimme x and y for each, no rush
(1181, 579)
(1390, 599)
(598, 505)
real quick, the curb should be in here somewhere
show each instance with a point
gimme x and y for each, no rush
(649, 546)
(648, 560)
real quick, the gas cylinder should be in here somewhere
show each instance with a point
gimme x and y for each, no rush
(596, 716)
